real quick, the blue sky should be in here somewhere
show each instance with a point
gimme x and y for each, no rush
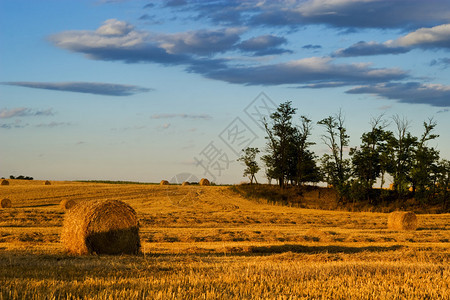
(148, 90)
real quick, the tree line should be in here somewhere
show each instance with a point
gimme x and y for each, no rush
(415, 168)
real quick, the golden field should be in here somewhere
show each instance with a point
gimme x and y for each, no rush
(206, 242)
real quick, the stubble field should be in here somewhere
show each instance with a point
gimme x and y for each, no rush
(209, 243)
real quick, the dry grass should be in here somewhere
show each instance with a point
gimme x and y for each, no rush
(402, 220)
(206, 242)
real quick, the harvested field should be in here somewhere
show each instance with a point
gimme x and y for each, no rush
(208, 242)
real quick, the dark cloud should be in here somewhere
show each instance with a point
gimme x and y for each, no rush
(107, 89)
(24, 112)
(221, 12)
(410, 92)
(146, 17)
(370, 48)
(17, 124)
(175, 3)
(200, 52)
(355, 14)
(150, 5)
(262, 42)
(264, 45)
(313, 47)
(424, 38)
(310, 71)
(200, 42)
(346, 14)
(442, 62)
(118, 40)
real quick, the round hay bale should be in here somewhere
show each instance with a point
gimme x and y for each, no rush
(6, 203)
(67, 204)
(402, 220)
(185, 183)
(204, 181)
(164, 182)
(102, 227)
(5, 182)
(47, 182)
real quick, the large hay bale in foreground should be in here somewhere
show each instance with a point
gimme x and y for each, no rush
(204, 181)
(6, 203)
(5, 182)
(47, 182)
(67, 204)
(402, 220)
(164, 182)
(102, 227)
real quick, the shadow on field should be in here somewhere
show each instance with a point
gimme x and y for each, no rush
(276, 249)
(38, 205)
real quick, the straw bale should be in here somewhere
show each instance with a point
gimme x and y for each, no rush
(6, 203)
(102, 227)
(47, 182)
(164, 182)
(5, 182)
(204, 181)
(402, 220)
(67, 204)
(185, 183)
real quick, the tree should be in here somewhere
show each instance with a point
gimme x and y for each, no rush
(425, 169)
(402, 153)
(443, 183)
(335, 168)
(369, 161)
(304, 160)
(279, 136)
(249, 159)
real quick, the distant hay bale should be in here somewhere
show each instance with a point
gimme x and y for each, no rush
(185, 183)
(204, 181)
(402, 220)
(67, 204)
(164, 182)
(102, 227)
(6, 203)
(47, 182)
(5, 182)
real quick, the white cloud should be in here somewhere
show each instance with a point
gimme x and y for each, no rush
(438, 36)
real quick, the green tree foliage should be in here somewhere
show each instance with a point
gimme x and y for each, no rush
(401, 148)
(336, 168)
(249, 159)
(279, 136)
(371, 160)
(425, 170)
(414, 167)
(288, 157)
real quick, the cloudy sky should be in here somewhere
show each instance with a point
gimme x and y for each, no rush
(150, 90)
